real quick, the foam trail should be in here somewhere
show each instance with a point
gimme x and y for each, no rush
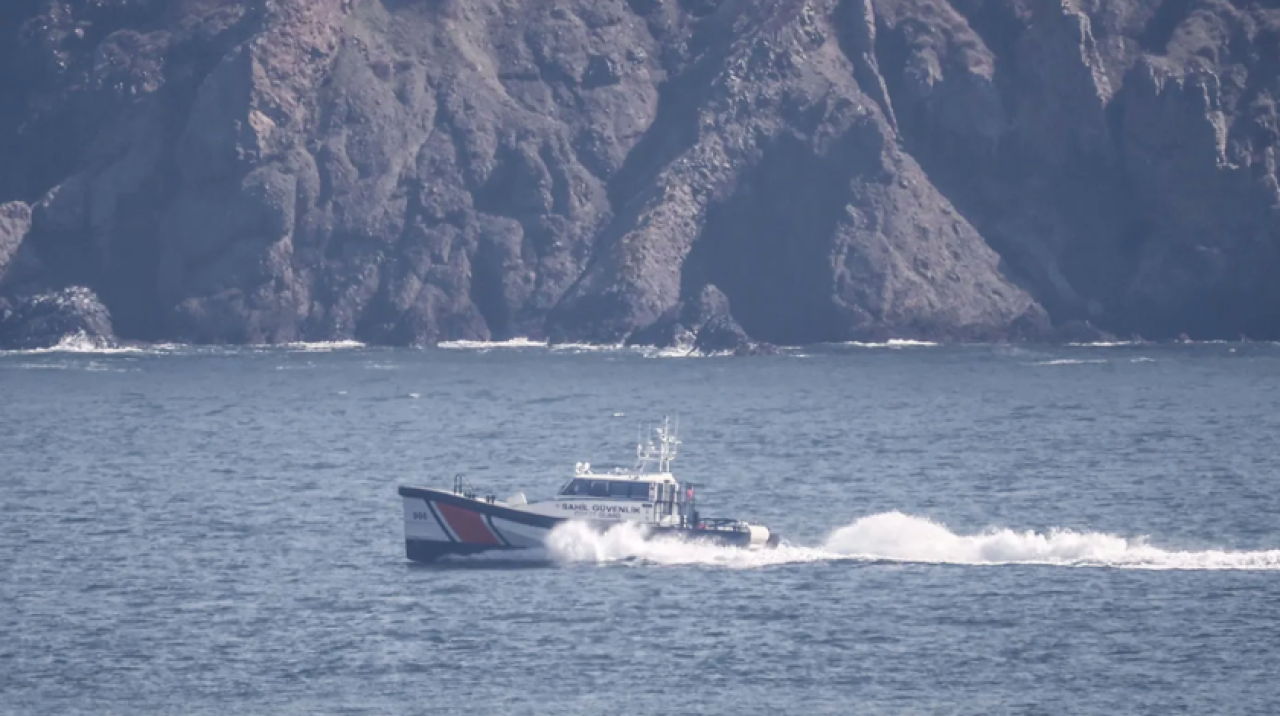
(905, 538)
(898, 537)
(576, 542)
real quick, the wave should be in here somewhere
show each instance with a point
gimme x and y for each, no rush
(79, 342)
(578, 348)
(89, 367)
(678, 351)
(315, 347)
(899, 537)
(1106, 344)
(488, 345)
(892, 343)
(1071, 361)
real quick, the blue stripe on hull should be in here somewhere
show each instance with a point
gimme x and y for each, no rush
(421, 550)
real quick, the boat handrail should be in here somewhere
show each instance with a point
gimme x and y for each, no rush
(464, 488)
(664, 452)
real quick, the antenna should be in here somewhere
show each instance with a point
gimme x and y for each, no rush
(663, 450)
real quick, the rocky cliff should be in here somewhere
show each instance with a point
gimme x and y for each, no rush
(405, 171)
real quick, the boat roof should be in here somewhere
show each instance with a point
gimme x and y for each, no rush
(653, 459)
(583, 471)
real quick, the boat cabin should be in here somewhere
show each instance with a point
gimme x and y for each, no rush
(646, 492)
(613, 489)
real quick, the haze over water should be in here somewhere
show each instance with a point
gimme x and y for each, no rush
(968, 530)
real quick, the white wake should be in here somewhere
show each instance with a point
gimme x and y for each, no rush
(576, 542)
(898, 537)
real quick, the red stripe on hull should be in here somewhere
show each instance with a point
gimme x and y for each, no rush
(467, 525)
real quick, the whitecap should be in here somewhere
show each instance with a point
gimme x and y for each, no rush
(588, 347)
(79, 342)
(894, 343)
(489, 345)
(318, 346)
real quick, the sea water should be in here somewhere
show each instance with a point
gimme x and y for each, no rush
(967, 530)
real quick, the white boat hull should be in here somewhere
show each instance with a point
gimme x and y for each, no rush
(439, 523)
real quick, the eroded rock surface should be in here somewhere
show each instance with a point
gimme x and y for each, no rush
(15, 223)
(703, 323)
(406, 172)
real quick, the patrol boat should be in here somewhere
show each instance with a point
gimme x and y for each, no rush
(461, 521)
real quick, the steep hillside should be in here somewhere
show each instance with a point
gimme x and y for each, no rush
(406, 171)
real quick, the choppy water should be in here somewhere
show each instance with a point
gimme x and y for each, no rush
(981, 530)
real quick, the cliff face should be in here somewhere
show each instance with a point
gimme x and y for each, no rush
(405, 171)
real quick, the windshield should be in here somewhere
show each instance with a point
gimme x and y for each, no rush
(575, 487)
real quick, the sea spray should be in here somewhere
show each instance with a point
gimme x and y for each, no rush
(907, 538)
(626, 542)
(899, 537)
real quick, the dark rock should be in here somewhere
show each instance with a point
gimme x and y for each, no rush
(701, 324)
(722, 334)
(47, 320)
(710, 303)
(666, 332)
(602, 71)
(1035, 327)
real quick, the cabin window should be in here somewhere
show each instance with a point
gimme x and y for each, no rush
(576, 487)
(599, 488)
(619, 489)
(639, 491)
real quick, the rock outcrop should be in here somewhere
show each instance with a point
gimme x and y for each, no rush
(50, 319)
(15, 222)
(704, 324)
(406, 172)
